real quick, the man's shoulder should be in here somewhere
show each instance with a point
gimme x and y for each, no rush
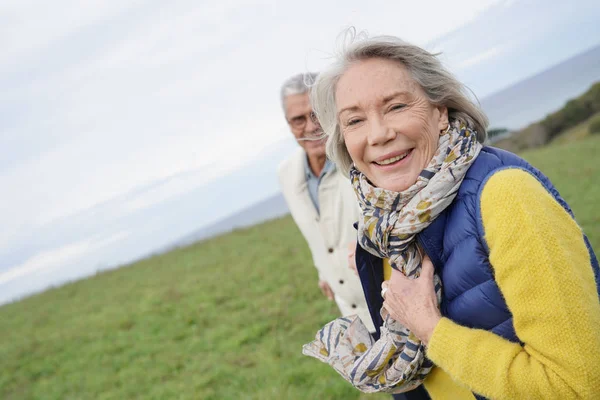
(291, 164)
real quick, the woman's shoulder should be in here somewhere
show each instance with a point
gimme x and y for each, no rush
(501, 174)
(492, 159)
(512, 184)
(493, 162)
(498, 181)
(514, 200)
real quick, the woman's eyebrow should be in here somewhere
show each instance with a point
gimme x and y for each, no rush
(393, 95)
(385, 99)
(349, 108)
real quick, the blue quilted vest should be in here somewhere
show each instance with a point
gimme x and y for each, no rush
(455, 243)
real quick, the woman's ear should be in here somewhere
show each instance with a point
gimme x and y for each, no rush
(443, 120)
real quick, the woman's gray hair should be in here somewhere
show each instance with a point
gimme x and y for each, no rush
(297, 84)
(439, 85)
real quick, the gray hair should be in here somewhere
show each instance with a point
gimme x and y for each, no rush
(439, 85)
(297, 84)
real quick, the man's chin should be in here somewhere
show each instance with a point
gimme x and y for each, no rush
(315, 152)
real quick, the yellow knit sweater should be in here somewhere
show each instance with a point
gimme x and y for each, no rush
(542, 267)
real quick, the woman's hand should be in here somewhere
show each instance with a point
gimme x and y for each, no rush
(413, 302)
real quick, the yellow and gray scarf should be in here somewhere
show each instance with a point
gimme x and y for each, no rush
(387, 228)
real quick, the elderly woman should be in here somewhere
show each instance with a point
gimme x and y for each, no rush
(517, 312)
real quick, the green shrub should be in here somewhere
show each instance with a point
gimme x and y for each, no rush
(594, 125)
(574, 111)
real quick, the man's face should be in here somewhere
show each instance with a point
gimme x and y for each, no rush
(298, 115)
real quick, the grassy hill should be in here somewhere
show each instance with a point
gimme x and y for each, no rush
(569, 122)
(222, 319)
(577, 132)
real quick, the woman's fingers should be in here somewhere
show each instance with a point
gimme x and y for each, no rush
(399, 282)
(397, 275)
(384, 289)
(427, 268)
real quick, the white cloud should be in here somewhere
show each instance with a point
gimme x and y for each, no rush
(32, 25)
(114, 96)
(152, 103)
(481, 57)
(57, 258)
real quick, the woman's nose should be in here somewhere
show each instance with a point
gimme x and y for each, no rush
(380, 133)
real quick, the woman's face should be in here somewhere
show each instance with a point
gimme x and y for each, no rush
(390, 129)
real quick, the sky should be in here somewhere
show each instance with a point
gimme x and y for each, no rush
(125, 125)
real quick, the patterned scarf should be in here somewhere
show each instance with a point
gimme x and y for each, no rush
(387, 229)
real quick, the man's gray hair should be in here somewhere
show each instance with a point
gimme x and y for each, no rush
(297, 84)
(439, 85)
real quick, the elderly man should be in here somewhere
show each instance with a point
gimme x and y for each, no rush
(322, 202)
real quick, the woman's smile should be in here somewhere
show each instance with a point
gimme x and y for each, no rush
(393, 160)
(390, 129)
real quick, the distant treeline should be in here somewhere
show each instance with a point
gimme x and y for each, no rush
(575, 111)
(496, 131)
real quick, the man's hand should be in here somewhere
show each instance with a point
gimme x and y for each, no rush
(326, 290)
(352, 256)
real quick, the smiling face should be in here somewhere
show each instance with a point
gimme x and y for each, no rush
(389, 127)
(298, 114)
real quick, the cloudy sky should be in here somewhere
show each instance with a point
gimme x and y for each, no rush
(128, 124)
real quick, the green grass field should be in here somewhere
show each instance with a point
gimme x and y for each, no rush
(222, 319)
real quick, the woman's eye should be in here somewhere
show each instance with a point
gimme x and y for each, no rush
(396, 107)
(353, 121)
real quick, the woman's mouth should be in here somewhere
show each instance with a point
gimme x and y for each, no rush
(394, 160)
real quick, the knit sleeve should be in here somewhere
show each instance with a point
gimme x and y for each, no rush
(543, 269)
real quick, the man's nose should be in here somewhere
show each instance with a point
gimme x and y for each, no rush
(312, 125)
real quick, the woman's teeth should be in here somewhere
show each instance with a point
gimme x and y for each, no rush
(392, 160)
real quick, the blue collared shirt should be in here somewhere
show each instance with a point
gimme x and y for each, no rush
(313, 181)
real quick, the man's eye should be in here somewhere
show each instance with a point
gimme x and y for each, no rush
(298, 120)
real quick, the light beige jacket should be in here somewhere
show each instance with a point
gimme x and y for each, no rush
(329, 233)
